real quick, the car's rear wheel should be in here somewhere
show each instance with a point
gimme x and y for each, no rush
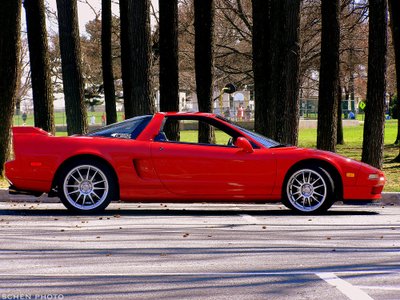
(309, 190)
(87, 187)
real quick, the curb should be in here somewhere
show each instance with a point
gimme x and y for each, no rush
(389, 198)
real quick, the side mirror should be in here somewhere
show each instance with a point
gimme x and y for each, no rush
(244, 144)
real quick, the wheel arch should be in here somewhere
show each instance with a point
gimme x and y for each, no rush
(88, 157)
(328, 167)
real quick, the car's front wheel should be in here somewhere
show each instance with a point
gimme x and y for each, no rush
(309, 190)
(86, 187)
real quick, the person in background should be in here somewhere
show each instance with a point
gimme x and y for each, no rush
(247, 113)
(24, 117)
(240, 113)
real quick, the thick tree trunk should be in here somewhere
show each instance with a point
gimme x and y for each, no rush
(288, 122)
(40, 68)
(169, 70)
(264, 119)
(276, 61)
(339, 131)
(106, 59)
(10, 19)
(329, 74)
(125, 28)
(73, 85)
(275, 88)
(375, 110)
(394, 7)
(169, 85)
(136, 57)
(204, 61)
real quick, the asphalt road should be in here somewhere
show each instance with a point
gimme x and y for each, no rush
(154, 251)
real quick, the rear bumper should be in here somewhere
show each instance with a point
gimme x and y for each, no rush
(12, 190)
(23, 180)
(26, 186)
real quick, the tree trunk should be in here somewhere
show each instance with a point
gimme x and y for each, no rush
(204, 62)
(39, 61)
(394, 7)
(276, 62)
(339, 131)
(329, 75)
(375, 110)
(70, 49)
(10, 19)
(169, 70)
(106, 59)
(264, 119)
(288, 122)
(124, 7)
(136, 57)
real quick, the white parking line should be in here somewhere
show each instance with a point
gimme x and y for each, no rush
(351, 291)
(250, 219)
(383, 288)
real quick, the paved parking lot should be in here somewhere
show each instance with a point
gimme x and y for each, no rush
(199, 251)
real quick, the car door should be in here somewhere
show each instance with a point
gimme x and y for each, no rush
(199, 169)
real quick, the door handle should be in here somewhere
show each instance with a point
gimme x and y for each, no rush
(161, 148)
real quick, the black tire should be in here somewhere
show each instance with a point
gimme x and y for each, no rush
(87, 186)
(308, 190)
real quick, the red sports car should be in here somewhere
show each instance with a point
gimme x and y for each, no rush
(165, 157)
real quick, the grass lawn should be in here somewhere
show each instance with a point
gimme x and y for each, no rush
(3, 183)
(352, 148)
(60, 119)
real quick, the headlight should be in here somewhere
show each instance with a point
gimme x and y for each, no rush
(375, 177)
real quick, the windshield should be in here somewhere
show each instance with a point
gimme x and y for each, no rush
(128, 129)
(266, 142)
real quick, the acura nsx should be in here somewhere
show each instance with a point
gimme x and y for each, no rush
(183, 157)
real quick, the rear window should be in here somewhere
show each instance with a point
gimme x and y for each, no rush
(128, 129)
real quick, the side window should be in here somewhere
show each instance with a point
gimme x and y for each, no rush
(187, 131)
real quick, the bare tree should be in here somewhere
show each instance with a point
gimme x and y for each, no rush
(288, 102)
(373, 141)
(394, 8)
(10, 19)
(169, 70)
(204, 61)
(168, 47)
(107, 64)
(276, 63)
(329, 75)
(233, 40)
(71, 67)
(24, 79)
(39, 62)
(264, 108)
(339, 131)
(136, 57)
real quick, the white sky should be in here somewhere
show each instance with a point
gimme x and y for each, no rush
(85, 12)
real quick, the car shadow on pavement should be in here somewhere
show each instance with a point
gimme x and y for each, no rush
(180, 212)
